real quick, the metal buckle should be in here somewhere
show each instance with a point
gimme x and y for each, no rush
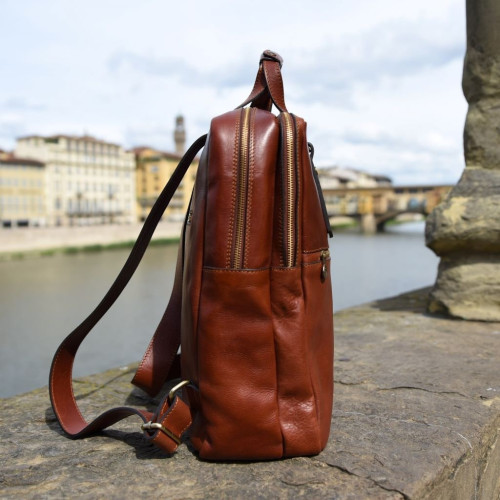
(175, 388)
(155, 426)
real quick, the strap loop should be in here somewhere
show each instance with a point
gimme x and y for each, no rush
(268, 86)
(269, 55)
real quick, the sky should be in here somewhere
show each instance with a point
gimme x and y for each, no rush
(379, 82)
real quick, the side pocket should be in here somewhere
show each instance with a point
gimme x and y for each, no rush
(317, 287)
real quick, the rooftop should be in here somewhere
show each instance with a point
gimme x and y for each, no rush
(14, 160)
(78, 138)
(165, 154)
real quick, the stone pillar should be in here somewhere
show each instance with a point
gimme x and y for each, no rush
(465, 229)
(368, 224)
(180, 135)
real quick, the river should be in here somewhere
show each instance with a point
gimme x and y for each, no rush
(43, 299)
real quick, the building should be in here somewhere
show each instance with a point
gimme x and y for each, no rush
(347, 178)
(153, 170)
(87, 180)
(22, 191)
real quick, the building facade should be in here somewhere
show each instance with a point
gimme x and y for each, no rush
(154, 169)
(22, 192)
(348, 178)
(87, 180)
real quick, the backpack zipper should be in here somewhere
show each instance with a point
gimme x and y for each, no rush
(289, 186)
(237, 260)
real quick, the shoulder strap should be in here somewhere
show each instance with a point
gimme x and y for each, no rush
(172, 417)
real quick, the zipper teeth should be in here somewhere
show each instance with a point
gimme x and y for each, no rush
(242, 189)
(290, 220)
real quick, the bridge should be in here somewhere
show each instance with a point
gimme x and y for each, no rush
(373, 207)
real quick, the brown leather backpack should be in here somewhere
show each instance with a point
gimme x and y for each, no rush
(251, 305)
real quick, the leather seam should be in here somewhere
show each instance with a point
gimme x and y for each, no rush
(224, 270)
(298, 194)
(251, 165)
(185, 428)
(260, 270)
(308, 363)
(140, 369)
(305, 264)
(165, 421)
(164, 406)
(315, 251)
(169, 411)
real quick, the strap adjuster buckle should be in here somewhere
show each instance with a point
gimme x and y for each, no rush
(155, 426)
(175, 388)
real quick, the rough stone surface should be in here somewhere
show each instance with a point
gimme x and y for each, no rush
(468, 221)
(416, 415)
(481, 84)
(477, 297)
(465, 229)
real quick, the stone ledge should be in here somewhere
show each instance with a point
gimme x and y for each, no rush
(416, 415)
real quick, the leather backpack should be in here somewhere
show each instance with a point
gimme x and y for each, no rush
(251, 306)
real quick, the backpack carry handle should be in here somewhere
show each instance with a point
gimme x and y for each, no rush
(268, 87)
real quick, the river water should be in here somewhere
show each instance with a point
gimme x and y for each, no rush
(43, 299)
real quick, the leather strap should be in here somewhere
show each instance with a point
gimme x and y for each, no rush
(160, 361)
(268, 87)
(174, 418)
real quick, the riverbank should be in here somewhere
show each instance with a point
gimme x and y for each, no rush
(22, 242)
(416, 415)
(42, 241)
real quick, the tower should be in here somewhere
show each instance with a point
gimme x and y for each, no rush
(179, 135)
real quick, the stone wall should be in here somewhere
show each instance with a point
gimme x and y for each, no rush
(416, 415)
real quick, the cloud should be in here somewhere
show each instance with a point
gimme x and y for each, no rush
(20, 104)
(155, 136)
(432, 143)
(429, 159)
(387, 51)
(178, 68)
(329, 72)
(11, 126)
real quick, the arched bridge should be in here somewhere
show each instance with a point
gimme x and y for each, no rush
(374, 206)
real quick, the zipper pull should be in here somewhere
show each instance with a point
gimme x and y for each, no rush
(324, 270)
